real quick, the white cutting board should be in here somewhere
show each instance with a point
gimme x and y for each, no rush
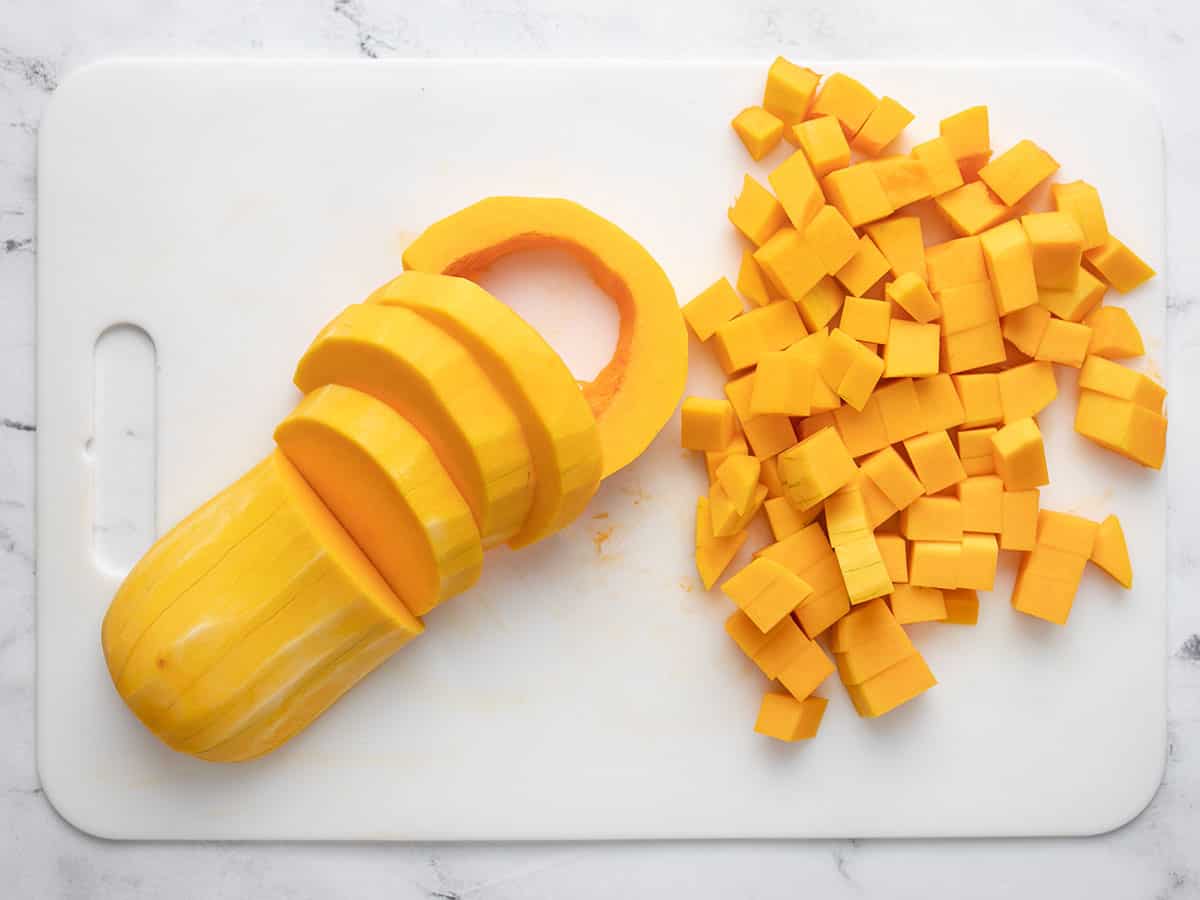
(585, 688)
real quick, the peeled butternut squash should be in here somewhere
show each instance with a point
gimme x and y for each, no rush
(637, 391)
(249, 618)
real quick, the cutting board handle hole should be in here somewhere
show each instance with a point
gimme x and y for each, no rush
(123, 448)
(553, 292)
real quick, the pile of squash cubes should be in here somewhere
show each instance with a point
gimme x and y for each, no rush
(883, 395)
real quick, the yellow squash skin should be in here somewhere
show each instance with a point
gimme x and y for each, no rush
(637, 392)
(248, 619)
(382, 480)
(535, 383)
(432, 380)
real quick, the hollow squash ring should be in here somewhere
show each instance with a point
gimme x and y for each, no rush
(638, 390)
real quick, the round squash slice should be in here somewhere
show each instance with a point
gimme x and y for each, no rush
(637, 391)
(218, 634)
(534, 383)
(382, 480)
(434, 382)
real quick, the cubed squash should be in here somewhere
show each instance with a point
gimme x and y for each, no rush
(912, 295)
(967, 132)
(756, 213)
(863, 569)
(977, 562)
(980, 395)
(783, 717)
(892, 687)
(974, 348)
(784, 644)
(789, 90)
(1017, 171)
(791, 265)
(885, 123)
(785, 520)
(1009, 259)
(1075, 304)
(888, 471)
(847, 100)
(1065, 531)
(737, 477)
(712, 308)
(858, 193)
(751, 282)
(815, 468)
(797, 189)
(1123, 426)
(1117, 265)
(940, 403)
(932, 519)
(867, 659)
(1065, 343)
(913, 603)
(866, 320)
(934, 564)
(1081, 202)
(805, 673)
(894, 550)
(1107, 377)
(830, 236)
(975, 451)
(706, 424)
(864, 269)
(783, 385)
(1020, 456)
(713, 554)
(766, 592)
(966, 306)
(1114, 335)
(821, 303)
(1110, 553)
(1026, 328)
(900, 409)
(912, 350)
(940, 166)
(900, 240)
(823, 143)
(971, 208)
(982, 499)
(955, 263)
(759, 130)
(962, 606)
(1026, 390)
(714, 458)
(904, 180)
(935, 461)
(767, 435)
(1057, 244)
(861, 430)
(1020, 515)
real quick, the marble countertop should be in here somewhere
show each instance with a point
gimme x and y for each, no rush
(41, 856)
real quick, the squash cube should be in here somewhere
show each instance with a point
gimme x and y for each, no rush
(1009, 259)
(883, 125)
(815, 468)
(955, 263)
(824, 144)
(830, 236)
(746, 634)
(726, 519)
(864, 269)
(714, 458)
(706, 424)
(857, 192)
(1057, 244)
(932, 519)
(847, 100)
(1064, 342)
(756, 213)
(1064, 531)
(910, 293)
(1020, 455)
(783, 385)
(912, 603)
(866, 320)
(966, 306)
(1115, 380)
(804, 674)
(1026, 328)
(759, 131)
(769, 476)
(766, 592)
(1114, 335)
(1074, 305)
(899, 240)
(904, 180)
(1118, 265)
(977, 562)
(971, 208)
(982, 499)
(940, 403)
(712, 308)
(849, 368)
(1045, 588)
(894, 551)
(862, 625)
(940, 167)
(821, 303)
(797, 189)
(789, 90)
(1020, 515)
(934, 564)
(975, 451)
(1017, 171)
(935, 461)
(863, 569)
(767, 435)
(900, 409)
(713, 554)
(966, 132)
(1123, 426)
(865, 660)
(783, 717)
(1026, 390)
(974, 348)
(980, 395)
(739, 344)
(785, 643)
(823, 609)
(790, 263)
(892, 687)
(1110, 553)
(737, 477)
(879, 506)
(861, 430)
(1081, 202)
(801, 551)
(785, 520)
(752, 282)
(891, 474)
(962, 606)
(912, 350)
(846, 517)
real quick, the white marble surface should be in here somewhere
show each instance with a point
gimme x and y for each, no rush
(1156, 856)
